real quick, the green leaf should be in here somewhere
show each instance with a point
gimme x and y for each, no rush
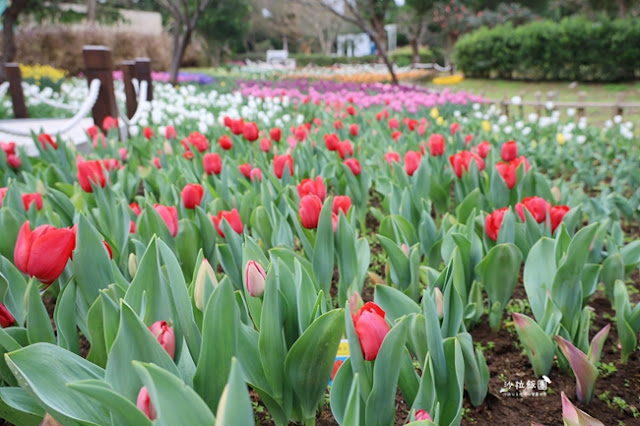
(221, 318)
(476, 372)
(537, 344)
(380, 409)
(612, 270)
(586, 373)
(133, 342)
(39, 325)
(121, 409)
(310, 360)
(32, 366)
(323, 249)
(19, 408)
(235, 407)
(352, 411)
(539, 271)
(65, 317)
(469, 204)
(340, 391)
(13, 287)
(394, 302)
(175, 402)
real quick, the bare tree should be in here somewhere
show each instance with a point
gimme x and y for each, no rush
(318, 22)
(369, 16)
(414, 17)
(185, 15)
(9, 19)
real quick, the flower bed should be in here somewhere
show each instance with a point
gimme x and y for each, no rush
(434, 261)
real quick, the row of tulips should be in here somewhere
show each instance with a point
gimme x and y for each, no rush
(181, 261)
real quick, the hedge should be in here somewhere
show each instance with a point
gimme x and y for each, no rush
(574, 49)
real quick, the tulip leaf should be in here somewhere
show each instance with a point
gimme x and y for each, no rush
(18, 407)
(340, 391)
(133, 342)
(65, 318)
(220, 322)
(476, 372)
(537, 344)
(380, 407)
(39, 325)
(612, 270)
(399, 261)
(471, 202)
(176, 403)
(207, 232)
(499, 272)
(323, 250)
(539, 270)
(434, 341)
(626, 332)
(32, 366)
(13, 287)
(98, 350)
(408, 381)
(395, 303)
(121, 409)
(11, 221)
(235, 407)
(188, 243)
(352, 413)
(310, 360)
(586, 373)
(346, 254)
(399, 230)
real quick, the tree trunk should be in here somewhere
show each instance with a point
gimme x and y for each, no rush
(179, 47)
(382, 48)
(415, 53)
(91, 12)
(9, 19)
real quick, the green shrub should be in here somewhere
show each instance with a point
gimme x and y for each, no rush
(402, 56)
(572, 49)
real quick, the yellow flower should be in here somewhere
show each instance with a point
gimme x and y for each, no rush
(534, 144)
(434, 113)
(560, 139)
(450, 79)
(440, 121)
(486, 126)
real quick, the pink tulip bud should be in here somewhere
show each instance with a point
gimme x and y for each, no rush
(423, 415)
(162, 331)
(255, 276)
(144, 404)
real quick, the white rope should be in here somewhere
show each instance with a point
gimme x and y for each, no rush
(3, 88)
(136, 85)
(142, 103)
(46, 101)
(94, 89)
(435, 66)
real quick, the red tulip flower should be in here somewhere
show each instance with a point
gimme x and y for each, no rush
(392, 156)
(351, 110)
(43, 253)
(265, 144)
(232, 217)
(245, 169)
(6, 318)
(212, 163)
(136, 208)
(156, 162)
(508, 173)
(199, 140)
(147, 132)
(354, 165)
(192, 195)
(225, 142)
(521, 160)
(254, 278)
(341, 202)
(395, 135)
(237, 126)
(308, 186)
(454, 128)
(170, 217)
(393, 123)
(170, 132)
(556, 214)
(423, 415)
(338, 125)
(46, 139)
(483, 149)
(354, 129)
(411, 162)
(371, 328)
(250, 131)
(144, 404)
(165, 335)
(109, 123)
(310, 207)
(493, 222)
(90, 171)
(509, 151)
(461, 161)
(280, 162)
(275, 134)
(436, 144)
(36, 198)
(256, 173)
(537, 206)
(332, 141)
(344, 148)
(14, 161)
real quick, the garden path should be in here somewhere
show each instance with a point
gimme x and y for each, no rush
(77, 134)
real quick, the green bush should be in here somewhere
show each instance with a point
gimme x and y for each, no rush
(402, 56)
(572, 49)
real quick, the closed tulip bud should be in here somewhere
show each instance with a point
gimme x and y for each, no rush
(310, 207)
(133, 265)
(509, 151)
(332, 141)
(555, 193)
(192, 195)
(123, 154)
(405, 249)
(200, 291)
(354, 130)
(254, 277)
(436, 144)
(6, 319)
(341, 202)
(371, 328)
(147, 132)
(354, 165)
(537, 206)
(144, 404)
(508, 173)
(170, 217)
(28, 199)
(493, 222)
(165, 335)
(483, 149)
(168, 149)
(411, 162)
(439, 303)
(212, 163)
(423, 415)
(90, 171)
(43, 253)
(232, 217)
(256, 174)
(14, 161)
(250, 131)
(556, 214)
(265, 144)
(45, 140)
(279, 164)
(275, 134)
(245, 169)
(308, 186)
(391, 157)
(170, 132)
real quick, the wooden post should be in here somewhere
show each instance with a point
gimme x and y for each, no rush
(15, 88)
(582, 98)
(505, 105)
(128, 72)
(537, 96)
(521, 106)
(619, 100)
(97, 59)
(143, 72)
(552, 97)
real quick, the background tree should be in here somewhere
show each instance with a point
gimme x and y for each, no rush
(224, 24)
(414, 17)
(185, 14)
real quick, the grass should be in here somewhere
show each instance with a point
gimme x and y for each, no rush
(567, 91)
